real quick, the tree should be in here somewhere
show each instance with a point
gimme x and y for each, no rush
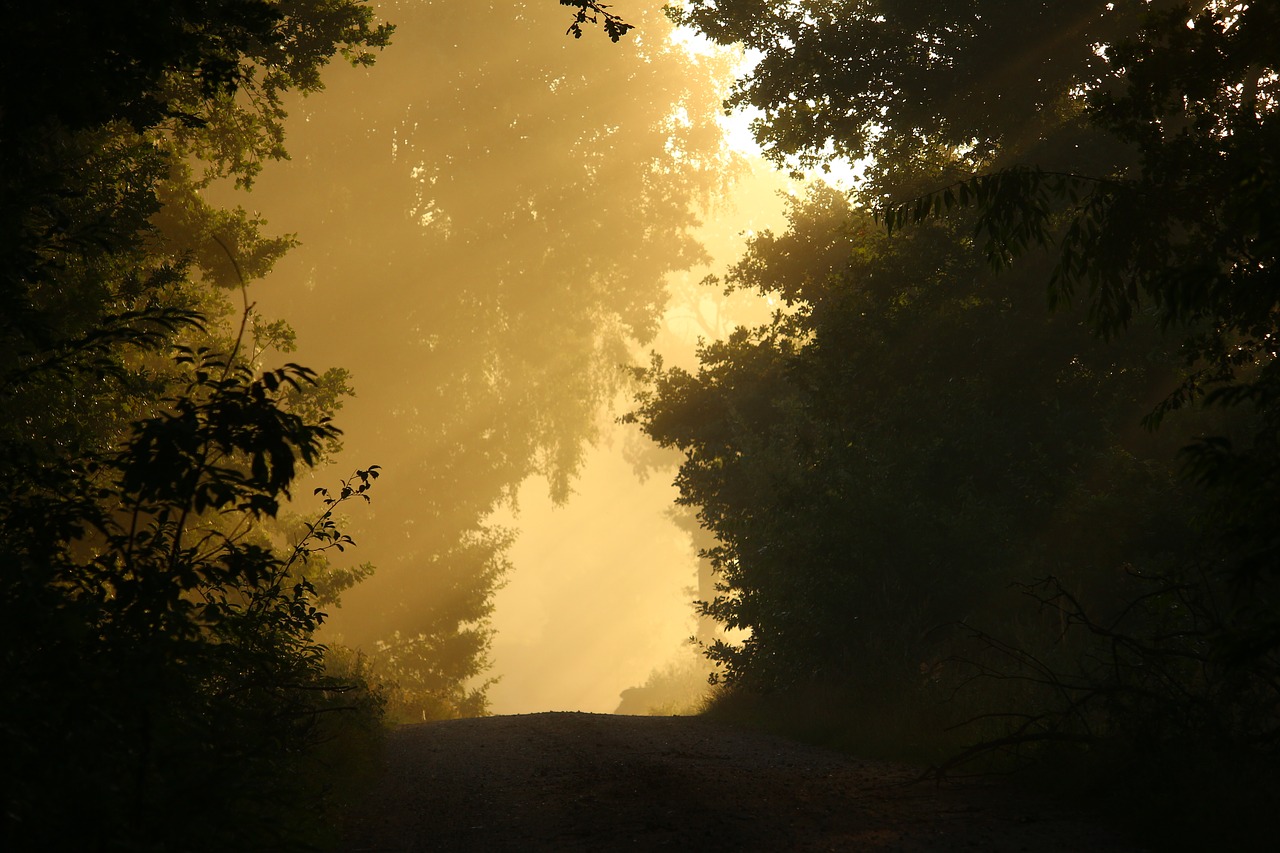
(1147, 160)
(916, 85)
(1185, 229)
(503, 209)
(590, 12)
(94, 174)
(904, 440)
(1133, 141)
(158, 649)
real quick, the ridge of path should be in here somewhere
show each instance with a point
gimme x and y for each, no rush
(598, 782)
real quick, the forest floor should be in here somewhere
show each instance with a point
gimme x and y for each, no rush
(595, 782)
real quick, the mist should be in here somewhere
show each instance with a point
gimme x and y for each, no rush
(492, 222)
(965, 455)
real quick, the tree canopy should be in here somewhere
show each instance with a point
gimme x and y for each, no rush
(905, 82)
(158, 635)
(906, 439)
(914, 430)
(1183, 228)
(500, 219)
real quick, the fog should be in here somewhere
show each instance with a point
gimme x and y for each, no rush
(492, 221)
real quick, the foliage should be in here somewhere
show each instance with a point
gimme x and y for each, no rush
(899, 444)
(439, 672)
(158, 648)
(1133, 141)
(101, 226)
(1186, 226)
(1185, 229)
(590, 12)
(520, 201)
(434, 676)
(159, 653)
(678, 688)
(1140, 699)
(211, 74)
(916, 84)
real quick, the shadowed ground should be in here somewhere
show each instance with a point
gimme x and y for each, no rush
(594, 782)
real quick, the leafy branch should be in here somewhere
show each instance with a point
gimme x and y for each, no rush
(590, 12)
(324, 529)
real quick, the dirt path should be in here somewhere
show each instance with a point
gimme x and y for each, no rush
(594, 782)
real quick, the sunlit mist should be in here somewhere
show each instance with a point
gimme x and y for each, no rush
(493, 222)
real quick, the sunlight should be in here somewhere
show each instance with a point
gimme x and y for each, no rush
(737, 125)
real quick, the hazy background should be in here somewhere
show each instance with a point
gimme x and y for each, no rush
(603, 585)
(492, 221)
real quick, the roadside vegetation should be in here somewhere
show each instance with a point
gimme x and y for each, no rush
(998, 488)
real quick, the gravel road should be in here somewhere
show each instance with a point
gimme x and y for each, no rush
(597, 782)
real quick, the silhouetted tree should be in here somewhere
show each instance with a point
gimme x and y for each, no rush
(1118, 155)
(157, 646)
(899, 444)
